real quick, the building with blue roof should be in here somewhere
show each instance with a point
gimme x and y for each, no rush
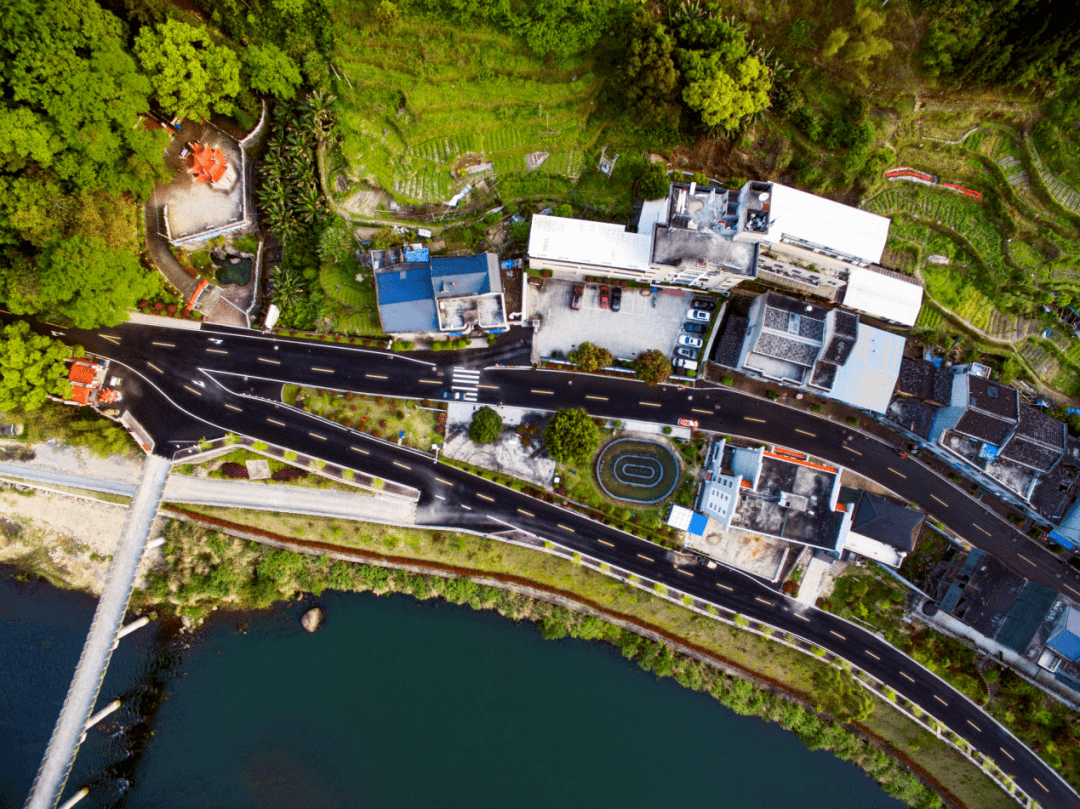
(418, 294)
(1065, 639)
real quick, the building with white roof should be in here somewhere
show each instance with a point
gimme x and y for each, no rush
(883, 294)
(713, 238)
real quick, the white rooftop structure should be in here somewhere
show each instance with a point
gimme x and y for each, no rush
(808, 218)
(598, 244)
(873, 549)
(868, 377)
(653, 212)
(883, 295)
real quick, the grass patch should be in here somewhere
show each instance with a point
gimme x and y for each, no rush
(381, 416)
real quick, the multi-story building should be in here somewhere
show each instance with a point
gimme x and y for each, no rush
(711, 238)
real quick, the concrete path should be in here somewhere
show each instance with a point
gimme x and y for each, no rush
(348, 505)
(288, 499)
(90, 671)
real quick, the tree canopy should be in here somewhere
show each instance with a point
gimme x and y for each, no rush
(651, 78)
(571, 435)
(654, 181)
(652, 367)
(270, 70)
(79, 281)
(31, 368)
(486, 426)
(725, 92)
(589, 357)
(191, 75)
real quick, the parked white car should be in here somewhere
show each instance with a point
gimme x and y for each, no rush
(698, 315)
(691, 342)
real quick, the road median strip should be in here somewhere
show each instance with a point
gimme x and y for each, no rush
(268, 360)
(566, 528)
(804, 432)
(940, 500)
(901, 474)
(188, 387)
(646, 558)
(485, 497)
(405, 466)
(275, 421)
(751, 418)
(357, 449)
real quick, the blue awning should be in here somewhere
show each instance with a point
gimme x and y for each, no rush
(697, 524)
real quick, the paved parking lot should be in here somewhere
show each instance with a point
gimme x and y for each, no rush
(637, 327)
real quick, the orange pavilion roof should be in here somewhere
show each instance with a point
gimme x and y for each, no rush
(82, 372)
(208, 164)
(80, 394)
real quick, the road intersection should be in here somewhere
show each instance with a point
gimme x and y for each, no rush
(185, 385)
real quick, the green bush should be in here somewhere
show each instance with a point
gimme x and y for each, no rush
(727, 380)
(486, 426)
(772, 394)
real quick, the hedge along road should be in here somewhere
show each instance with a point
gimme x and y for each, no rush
(637, 471)
(456, 499)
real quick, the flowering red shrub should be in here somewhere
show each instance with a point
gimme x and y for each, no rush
(171, 308)
(234, 470)
(376, 432)
(158, 306)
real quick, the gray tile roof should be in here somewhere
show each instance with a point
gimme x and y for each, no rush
(887, 521)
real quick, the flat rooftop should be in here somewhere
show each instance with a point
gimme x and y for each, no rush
(793, 501)
(676, 247)
(597, 244)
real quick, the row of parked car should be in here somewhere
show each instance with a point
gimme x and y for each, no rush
(690, 342)
(610, 297)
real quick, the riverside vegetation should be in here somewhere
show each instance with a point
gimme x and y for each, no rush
(206, 569)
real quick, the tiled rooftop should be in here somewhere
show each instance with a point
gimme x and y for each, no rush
(1030, 454)
(993, 398)
(1039, 427)
(913, 415)
(773, 345)
(985, 427)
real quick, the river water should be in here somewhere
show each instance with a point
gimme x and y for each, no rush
(393, 703)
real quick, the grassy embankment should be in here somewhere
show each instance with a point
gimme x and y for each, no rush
(207, 570)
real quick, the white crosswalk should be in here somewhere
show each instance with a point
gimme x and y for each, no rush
(466, 381)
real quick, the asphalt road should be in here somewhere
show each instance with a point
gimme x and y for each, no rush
(190, 382)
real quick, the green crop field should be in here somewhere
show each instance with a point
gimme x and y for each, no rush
(421, 104)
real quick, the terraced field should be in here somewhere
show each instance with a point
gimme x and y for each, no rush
(963, 298)
(1063, 193)
(422, 106)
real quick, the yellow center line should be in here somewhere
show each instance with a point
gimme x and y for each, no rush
(698, 410)
(803, 617)
(485, 497)
(684, 572)
(188, 387)
(650, 404)
(545, 392)
(108, 336)
(361, 451)
(155, 367)
(216, 351)
(974, 726)
(430, 381)
(940, 500)
(804, 432)
(834, 632)
(872, 654)
(1040, 783)
(233, 407)
(489, 387)
(598, 398)
(268, 360)
(605, 542)
(901, 474)
(939, 699)
(725, 587)
(1073, 589)
(751, 418)
(275, 421)
(403, 466)
(526, 513)
(763, 601)
(982, 529)
(329, 371)
(566, 528)
(646, 558)
(163, 345)
(1027, 560)
(1006, 752)
(316, 435)
(369, 376)
(447, 482)
(907, 676)
(849, 449)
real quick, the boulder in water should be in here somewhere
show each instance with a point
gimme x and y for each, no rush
(312, 619)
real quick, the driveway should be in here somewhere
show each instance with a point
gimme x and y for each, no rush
(638, 326)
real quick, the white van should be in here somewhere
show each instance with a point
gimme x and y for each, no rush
(686, 365)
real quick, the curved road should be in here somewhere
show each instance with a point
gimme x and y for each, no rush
(214, 381)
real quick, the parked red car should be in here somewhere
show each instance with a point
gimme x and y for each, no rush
(605, 296)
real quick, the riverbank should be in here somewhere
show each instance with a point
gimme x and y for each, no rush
(750, 674)
(204, 570)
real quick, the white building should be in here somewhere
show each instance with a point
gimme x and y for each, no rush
(711, 238)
